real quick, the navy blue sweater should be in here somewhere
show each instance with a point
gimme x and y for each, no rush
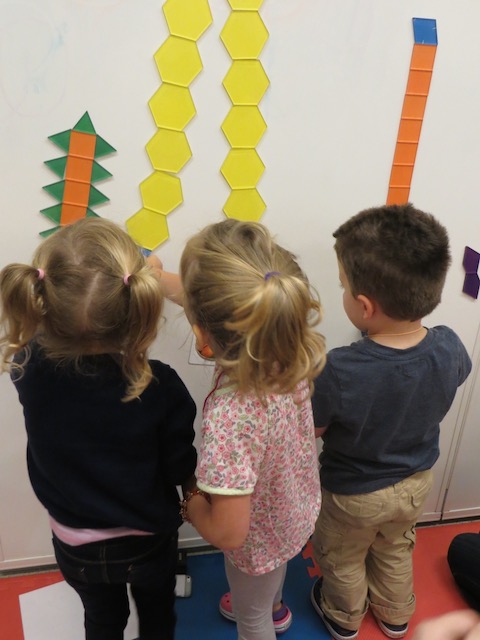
(97, 462)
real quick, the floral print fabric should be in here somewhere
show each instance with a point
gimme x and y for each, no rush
(267, 450)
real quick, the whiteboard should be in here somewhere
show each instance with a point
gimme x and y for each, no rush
(337, 72)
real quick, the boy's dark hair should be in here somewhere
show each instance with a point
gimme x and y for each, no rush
(398, 256)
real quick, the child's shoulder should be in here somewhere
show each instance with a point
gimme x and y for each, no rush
(443, 332)
(163, 372)
(166, 378)
(445, 339)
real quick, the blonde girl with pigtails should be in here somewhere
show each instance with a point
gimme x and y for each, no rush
(258, 493)
(109, 430)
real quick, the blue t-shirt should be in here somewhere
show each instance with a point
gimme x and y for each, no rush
(383, 409)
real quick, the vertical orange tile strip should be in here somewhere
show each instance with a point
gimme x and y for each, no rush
(416, 94)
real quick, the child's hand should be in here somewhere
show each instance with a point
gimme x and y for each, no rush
(319, 431)
(156, 265)
(458, 625)
(172, 287)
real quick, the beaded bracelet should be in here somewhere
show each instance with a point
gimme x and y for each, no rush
(188, 496)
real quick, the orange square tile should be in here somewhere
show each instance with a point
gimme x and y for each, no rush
(405, 153)
(423, 56)
(419, 82)
(79, 169)
(414, 106)
(409, 130)
(82, 144)
(72, 213)
(398, 195)
(76, 192)
(401, 175)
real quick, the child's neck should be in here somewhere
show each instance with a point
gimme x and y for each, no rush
(400, 334)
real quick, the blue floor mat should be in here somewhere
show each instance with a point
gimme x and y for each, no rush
(198, 615)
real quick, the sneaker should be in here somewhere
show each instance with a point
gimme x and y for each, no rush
(393, 630)
(335, 630)
(282, 618)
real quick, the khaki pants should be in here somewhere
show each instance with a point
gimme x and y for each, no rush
(363, 544)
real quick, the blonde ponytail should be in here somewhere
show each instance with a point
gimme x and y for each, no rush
(256, 303)
(22, 308)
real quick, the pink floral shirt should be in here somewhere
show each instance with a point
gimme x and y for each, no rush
(267, 451)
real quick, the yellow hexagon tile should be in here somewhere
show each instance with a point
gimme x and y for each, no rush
(246, 82)
(161, 192)
(187, 18)
(244, 204)
(244, 35)
(245, 5)
(242, 168)
(168, 150)
(148, 228)
(244, 126)
(178, 61)
(172, 107)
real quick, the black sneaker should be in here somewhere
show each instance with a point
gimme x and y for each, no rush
(335, 630)
(393, 630)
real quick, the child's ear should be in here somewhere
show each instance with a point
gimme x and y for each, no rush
(200, 334)
(203, 342)
(368, 306)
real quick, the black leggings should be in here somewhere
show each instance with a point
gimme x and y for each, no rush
(464, 561)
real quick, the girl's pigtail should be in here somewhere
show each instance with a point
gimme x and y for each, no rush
(144, 310)
(277, 325)
(22, 301)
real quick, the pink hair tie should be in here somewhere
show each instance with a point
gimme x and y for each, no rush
(40, 274)
(125, 279)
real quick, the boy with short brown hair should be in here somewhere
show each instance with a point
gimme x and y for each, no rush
(378, 404)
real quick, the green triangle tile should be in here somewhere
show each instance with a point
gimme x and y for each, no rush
(57, 165)
(49, 232)
(91, 214)
(102, 148)
(56, 189)
(96, 197)
(62, 140)
(85, 124)
(99, 173)
(54, 213)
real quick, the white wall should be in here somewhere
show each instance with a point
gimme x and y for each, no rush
(338, 74)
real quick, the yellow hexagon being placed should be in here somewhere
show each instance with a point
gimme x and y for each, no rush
(243, 127)
(242, 168)
(161, 192)
(178, 61)
(245, 5)
(244, 35)
(148, 228)
(172, 107)
(168, 150)
(187, 18)
(244, 204)
(246, 82)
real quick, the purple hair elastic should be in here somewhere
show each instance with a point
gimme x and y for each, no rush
(40, 274)
(269, 274)
(125, 279)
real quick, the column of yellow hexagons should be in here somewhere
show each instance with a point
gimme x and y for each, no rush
(244, 36)
(178, 62)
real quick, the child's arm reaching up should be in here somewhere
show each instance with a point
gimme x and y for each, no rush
(221, 520)
(171, 284)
